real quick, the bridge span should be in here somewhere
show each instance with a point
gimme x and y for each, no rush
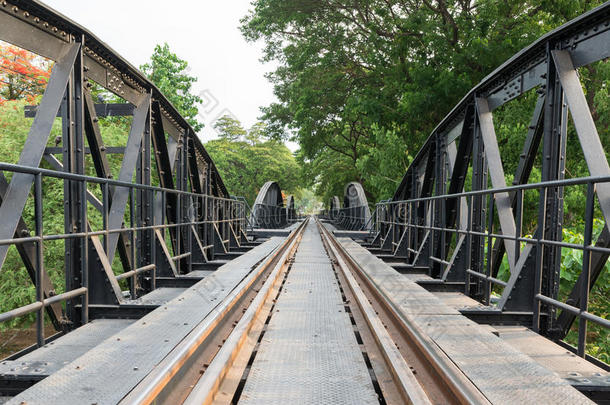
(176, 292)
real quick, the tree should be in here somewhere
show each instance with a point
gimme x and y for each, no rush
(229, 129)
(23, 75)
(168, 72)
(350, 73)
(361, 84)
(247, 159)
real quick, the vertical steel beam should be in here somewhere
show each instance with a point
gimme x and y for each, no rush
(130, 157)
(522, 174)
(550, 209)
(74, 208)
(496, 173)
(102, 168)
(423, 209)
(457, 208)
(33, 149)
(145, 210)
(477, 208)
(597, 163)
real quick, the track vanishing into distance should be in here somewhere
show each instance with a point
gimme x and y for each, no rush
(172, 291)
(312, 334)
(313, 320)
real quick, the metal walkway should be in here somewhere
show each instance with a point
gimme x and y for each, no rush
(309, 353)
(132, 354)
(501, 372)
(169, 295)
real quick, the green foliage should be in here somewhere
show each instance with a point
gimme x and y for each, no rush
(229, 129)
(247, 159)
(169, 73)
(16, 287)
(308, 203)
(598, 338)
(388, 155)
(361, 84)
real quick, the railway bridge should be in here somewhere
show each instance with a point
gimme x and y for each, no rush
(176, 292)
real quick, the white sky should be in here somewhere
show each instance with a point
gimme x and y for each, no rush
(204, 33)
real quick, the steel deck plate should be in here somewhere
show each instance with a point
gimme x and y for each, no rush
(197, 274)
(502, 373)
(309, 353)
(457, 300)
(565, 363)
(105, 374)
(56, 354)
(158, 296)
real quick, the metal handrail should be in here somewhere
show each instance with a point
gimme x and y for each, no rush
(399, 215)
(223, 213)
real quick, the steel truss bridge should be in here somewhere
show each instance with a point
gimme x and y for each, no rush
(176, 292)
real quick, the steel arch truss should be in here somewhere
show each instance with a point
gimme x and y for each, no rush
(167, 209)
(454, 215)
(268, 210)
(355, 213)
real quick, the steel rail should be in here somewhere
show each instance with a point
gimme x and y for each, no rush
(464, 391)
(232, 358)
(162, 382)
(409, 388)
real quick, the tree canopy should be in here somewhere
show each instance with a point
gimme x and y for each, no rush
(361, 84)
(246, 159)
(23, 75)
(169, 73)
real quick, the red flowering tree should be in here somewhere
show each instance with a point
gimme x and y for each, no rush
(23, 75)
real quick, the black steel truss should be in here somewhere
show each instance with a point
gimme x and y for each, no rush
(269, 210)
(355, 213)
(158, 230)
(462, 236)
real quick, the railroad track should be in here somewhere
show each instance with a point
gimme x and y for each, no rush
(306, 319)
(206, 361)
(418, 371)
(213, 364)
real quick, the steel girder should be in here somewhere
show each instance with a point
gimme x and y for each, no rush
(268, 210)
(462, 235)
(291, 212)
(158, 230)
(355, 213)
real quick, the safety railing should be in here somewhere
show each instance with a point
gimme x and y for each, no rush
(351, 218)
(415, 223)
(269, 216)
(247, 212)
(197, 225)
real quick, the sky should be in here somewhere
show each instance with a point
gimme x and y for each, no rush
(204, 33)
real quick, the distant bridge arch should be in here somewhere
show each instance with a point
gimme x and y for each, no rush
(268, 210)
(355, 213)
